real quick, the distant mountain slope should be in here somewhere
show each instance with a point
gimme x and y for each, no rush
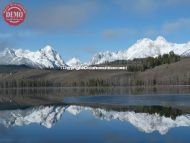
(12, 68)
(142, 49)
(43, 58)
(74, 62)
(186, 53)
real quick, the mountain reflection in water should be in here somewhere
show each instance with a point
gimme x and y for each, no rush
(145, 118)
(94, 115)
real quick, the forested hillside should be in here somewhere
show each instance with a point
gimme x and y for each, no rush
(177, 73)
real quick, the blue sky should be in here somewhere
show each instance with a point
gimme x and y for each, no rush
(80, 28)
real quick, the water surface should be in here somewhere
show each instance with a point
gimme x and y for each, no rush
(103, 117)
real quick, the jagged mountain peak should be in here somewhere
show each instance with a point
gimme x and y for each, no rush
(144, 40)
(9, 51)
(73, 61)
(157, 39)
(47, 49)
(76, 63)
(161, 38)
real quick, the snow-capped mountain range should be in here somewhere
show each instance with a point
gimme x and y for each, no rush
(43, 58)
(143, 48)
(48, 58)
(47, 116)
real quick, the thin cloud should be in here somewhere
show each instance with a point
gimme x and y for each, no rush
(137, 6)
(113, 33)
(19, 34)
(12, 39)
(169, 28)
(176, 2)
(4, 45)
(148, 6)
(6, 35)
(91, 50)
(62, 16)
(180, 24)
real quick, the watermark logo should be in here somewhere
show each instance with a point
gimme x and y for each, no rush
(14, 14)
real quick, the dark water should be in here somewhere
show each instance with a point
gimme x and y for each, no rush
(105, 117)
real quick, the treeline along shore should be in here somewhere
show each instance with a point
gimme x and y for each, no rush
(168, 69)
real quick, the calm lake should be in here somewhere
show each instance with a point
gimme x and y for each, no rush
(91, 115)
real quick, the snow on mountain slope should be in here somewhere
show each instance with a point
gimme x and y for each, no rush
(144, 122)
(49, 58)
(186, 53)
(45, 116)
(141, 49)
(43, 58)
(74, 62)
